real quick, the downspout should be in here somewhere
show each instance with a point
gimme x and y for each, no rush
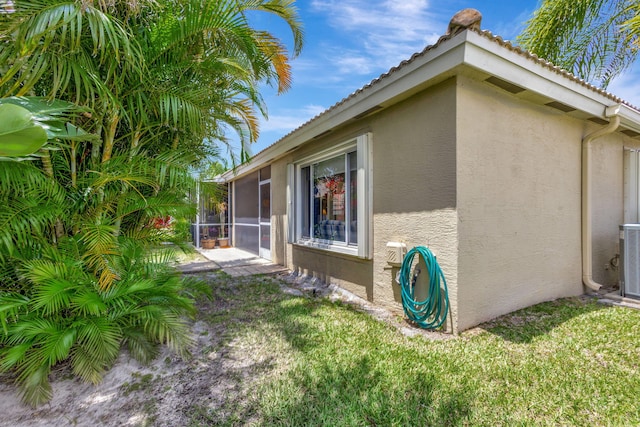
(587, 246)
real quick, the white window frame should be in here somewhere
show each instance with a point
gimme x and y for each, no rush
(363, 147)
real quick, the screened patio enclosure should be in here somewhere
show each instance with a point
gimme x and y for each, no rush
(245, 219)
(252, 212)
(213, 217)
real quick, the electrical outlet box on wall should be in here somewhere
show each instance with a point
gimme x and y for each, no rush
(395, 253)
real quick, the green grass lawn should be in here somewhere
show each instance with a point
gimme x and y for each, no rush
(568, 362)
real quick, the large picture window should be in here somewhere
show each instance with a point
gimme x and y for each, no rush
(332, 199)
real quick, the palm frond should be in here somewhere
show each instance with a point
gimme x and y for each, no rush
(87, 366)
(287, 11)
(100, 336)
(13, 356)
(53, 296)
(167, 328)
(24, 219)
(593, 39)
(126, 177)
(33, 329)
(175, 110)
(44, 30)
(87, 302)
(275, 55)
(198, 18)
(58, 344)
(35, 385)
(11, 306)
(143, 348)
(100, 242)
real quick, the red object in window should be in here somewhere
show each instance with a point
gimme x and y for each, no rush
(335, 184)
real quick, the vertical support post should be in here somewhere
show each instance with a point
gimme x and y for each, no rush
(229, 219)
(232, 187)
(197, 231)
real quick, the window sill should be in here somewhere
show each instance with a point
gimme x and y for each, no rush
(340, 249)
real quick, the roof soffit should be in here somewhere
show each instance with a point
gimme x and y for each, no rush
(485, 54)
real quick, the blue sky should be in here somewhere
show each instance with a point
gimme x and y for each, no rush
(350, 42)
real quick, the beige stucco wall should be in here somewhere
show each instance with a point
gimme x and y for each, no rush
(415, 184)
(519, 180)
(413, 202)
(491, 183)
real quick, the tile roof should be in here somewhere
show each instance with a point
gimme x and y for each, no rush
(484, 33)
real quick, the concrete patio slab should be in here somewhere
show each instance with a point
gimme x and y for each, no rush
(236, 262)
(614, 298)
(198, 267)
(254, 270)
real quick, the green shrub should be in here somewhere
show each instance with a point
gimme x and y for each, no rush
(65, 315)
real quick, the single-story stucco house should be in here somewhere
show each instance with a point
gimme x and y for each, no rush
(515, 173)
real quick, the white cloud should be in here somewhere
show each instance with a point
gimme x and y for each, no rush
(384, 32)
(353, 63)
(329, 63)
(627, 86)
(404, 18)
(314, 110)
(287, 119)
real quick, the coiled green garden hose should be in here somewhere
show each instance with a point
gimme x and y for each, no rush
(432, 312)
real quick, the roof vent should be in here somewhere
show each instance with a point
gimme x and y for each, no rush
(466, 18)
(630, 133)
(560, 106)
(367, 112)
(502, 84)
(321, 134)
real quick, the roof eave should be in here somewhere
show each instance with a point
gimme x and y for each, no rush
(516, 66)
(479, 51)
(629, 117)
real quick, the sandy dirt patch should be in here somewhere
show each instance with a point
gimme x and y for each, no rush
(219, 377)
(168, 392)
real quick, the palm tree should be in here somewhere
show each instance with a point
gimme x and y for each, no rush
(594, 39)
(157, 81)
(141, 65)
(154, 78)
